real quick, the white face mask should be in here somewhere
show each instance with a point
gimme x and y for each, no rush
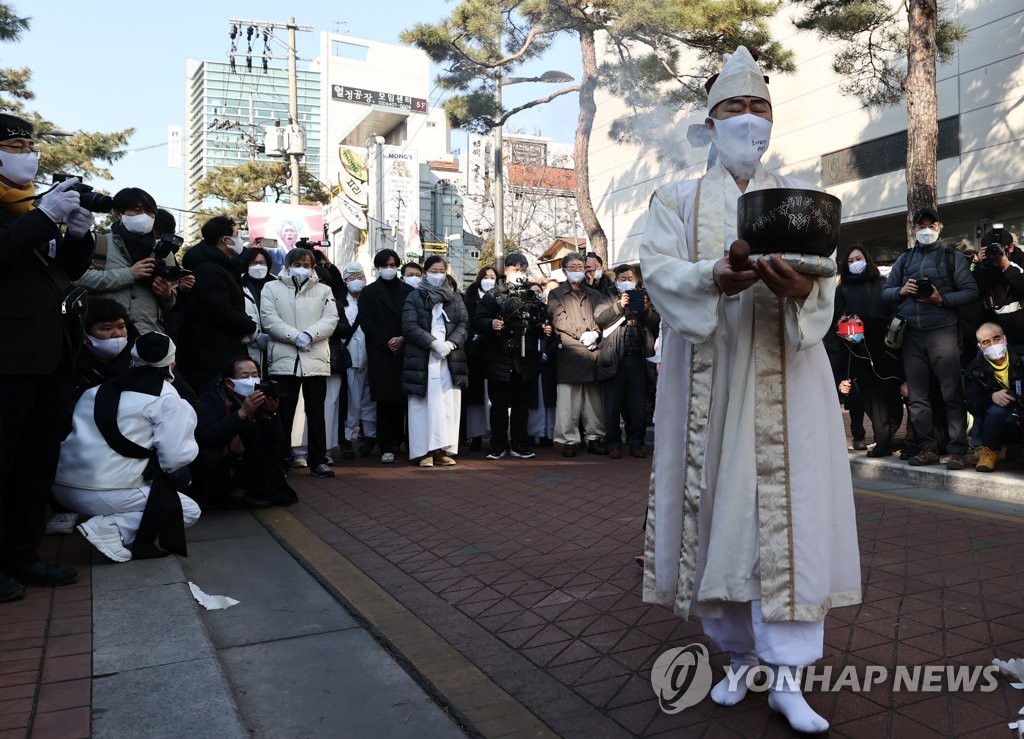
(245, 386)
(743, 138)
(107, 348)
(413, 281)
(575, 277)
(141, 224)
(858, 267)
(257, 271)
(487, 284)
(300, 273)
(436, 278)
(515, 278)
(625, 285)
(387, 273)
(356, 286)
(927, 236)
(995, 352)
(236, 245)
(20, 169)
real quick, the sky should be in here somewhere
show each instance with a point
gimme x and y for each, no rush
(115, 65)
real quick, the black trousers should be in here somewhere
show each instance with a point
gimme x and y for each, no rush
(884, 406)
(510, 407)
(32, 425)
(936, 350)
(625, 395)
(390, 425)
(314, 395)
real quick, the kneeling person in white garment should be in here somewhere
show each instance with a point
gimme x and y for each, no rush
(95, 480)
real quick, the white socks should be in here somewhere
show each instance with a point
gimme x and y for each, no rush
(785, 697)
(733, 688)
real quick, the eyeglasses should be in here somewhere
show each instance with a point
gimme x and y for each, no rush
(18, 148)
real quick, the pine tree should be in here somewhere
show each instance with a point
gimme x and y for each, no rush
(875, 35)
(482, 39)
(81, 152)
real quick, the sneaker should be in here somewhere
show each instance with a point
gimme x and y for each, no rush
(347, 452)
(859, 445)
(523, 452)
(955, 462)
(299, 462)
(328, 460)
(321, 470)
(443, 460)
(987, 459)
(62, 523)
(925, 457)
(106, 538)
(387, 458)
(879, 450)
(427, 461)
(498, 453)
(10, 590)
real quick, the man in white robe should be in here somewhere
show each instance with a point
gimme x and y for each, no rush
(751, 521)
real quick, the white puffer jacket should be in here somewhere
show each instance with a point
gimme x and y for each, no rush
(285, 313)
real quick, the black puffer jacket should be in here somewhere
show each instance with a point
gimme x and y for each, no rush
(980, 382)
(416, 322)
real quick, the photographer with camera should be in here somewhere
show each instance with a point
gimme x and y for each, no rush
(1001, 283)
(511, 320)
(215, 326)
(927, 284)
(629, 326)
(994, 385)
(127, 267)
(241, 441)
(42, 334)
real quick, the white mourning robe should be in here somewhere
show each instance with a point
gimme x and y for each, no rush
(750, 497)
(434, 419)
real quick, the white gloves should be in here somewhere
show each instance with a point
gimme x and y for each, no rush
(60, 201)
(303, 342)
(80, 222)
(589, 339)
(261, 340)
(441, 348)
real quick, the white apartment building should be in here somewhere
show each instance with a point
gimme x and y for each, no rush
(857, 153)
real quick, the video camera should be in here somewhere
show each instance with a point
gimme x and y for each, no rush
(90, 199)
(167, 245)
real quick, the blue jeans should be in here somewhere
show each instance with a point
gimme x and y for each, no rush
(994, 431)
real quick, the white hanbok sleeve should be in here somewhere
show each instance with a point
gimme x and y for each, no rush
(683, 291)
(174, 431)
(808, 320)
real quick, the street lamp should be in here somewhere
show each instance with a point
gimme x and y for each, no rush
(552, 76)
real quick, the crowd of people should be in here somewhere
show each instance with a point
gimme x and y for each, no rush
(940, 336)
(151, 382)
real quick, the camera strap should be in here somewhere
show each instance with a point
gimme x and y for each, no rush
(611, 329)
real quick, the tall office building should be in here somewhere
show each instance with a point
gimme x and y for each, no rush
(226, 112)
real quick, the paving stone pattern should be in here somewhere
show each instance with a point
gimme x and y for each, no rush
(46, 652)
(527, 569)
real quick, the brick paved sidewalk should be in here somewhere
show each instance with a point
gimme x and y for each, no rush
(527, 569)
(46, 652)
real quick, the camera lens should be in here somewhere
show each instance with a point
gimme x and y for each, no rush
(96, 202)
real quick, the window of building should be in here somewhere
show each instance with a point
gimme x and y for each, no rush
(348, 50)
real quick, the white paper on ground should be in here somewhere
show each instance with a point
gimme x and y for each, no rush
(211, 602)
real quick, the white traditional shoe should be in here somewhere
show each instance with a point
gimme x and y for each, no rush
(106, 538)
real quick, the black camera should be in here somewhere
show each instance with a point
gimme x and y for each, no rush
(270, 389)
(925, 287)
(1015, 418)
(994, 254)
(89, 198)
(167, 245)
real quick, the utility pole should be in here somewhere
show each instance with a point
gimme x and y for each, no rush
(255, 28)
(293, 105)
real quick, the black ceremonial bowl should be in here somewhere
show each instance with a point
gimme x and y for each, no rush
(789, 220)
